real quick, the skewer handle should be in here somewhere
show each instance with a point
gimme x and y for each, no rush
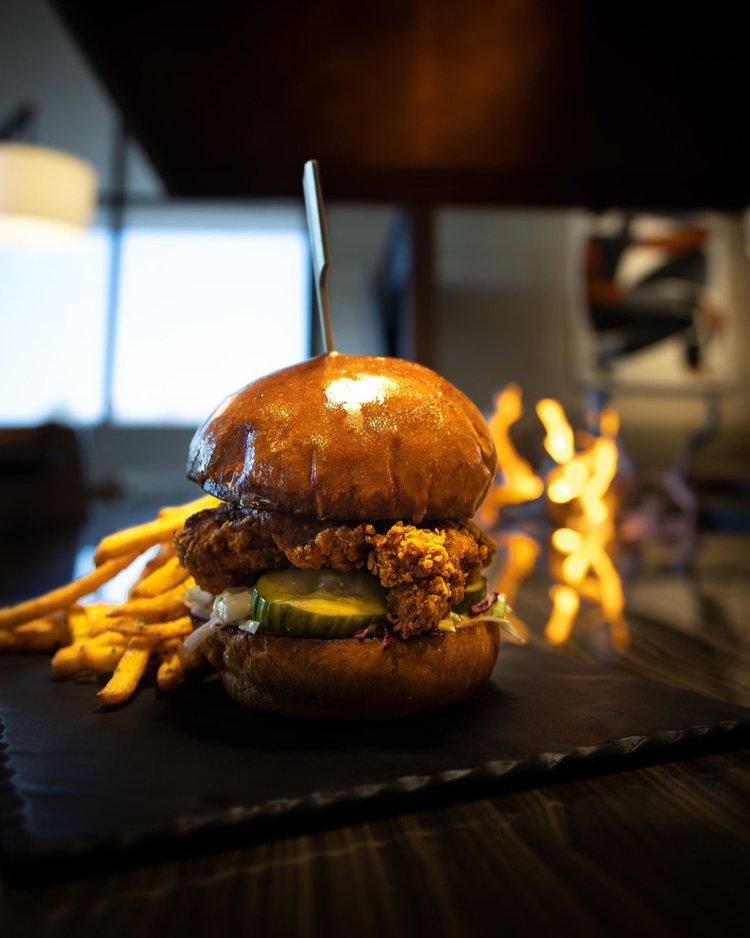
(316, 227)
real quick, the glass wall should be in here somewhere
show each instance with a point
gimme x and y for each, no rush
(206, 300)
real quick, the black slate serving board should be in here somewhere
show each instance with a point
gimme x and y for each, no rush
(172, 773)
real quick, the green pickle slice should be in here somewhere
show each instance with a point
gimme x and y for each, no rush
(317, 603)
(474, 592)
(328, 603)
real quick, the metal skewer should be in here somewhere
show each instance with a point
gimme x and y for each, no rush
(316, 227)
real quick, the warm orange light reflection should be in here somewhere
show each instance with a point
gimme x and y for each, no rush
(609, 422)
(518, 482)
(522, 552)
(565, 606)
(559, 440)
(579, 485)
(584, 484)
(566, 540)
(566, 482)
(603, 467)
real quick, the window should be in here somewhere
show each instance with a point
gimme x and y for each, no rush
(202, 309)
(201, 314)
(53, 332)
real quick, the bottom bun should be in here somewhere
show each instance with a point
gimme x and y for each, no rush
(353, 679)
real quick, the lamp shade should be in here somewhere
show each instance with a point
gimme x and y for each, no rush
(45, 194)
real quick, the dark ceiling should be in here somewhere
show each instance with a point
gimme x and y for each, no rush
(428, 101)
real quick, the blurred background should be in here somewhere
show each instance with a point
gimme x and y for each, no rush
(531, 195)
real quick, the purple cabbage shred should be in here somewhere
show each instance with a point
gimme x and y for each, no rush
(484, 605)
(379, 630)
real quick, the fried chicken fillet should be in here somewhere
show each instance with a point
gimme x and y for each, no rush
(424, 570)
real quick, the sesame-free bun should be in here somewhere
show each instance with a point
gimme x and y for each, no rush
(353, 679)
(348, 437)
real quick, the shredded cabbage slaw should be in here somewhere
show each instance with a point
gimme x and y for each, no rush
(232, 606)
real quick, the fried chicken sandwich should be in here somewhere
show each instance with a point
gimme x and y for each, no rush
(341, 577)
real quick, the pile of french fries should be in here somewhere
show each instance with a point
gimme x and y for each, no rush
(122, 639)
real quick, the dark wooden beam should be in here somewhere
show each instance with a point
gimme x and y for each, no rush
(421, 102)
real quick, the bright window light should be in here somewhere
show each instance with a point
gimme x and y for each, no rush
(52, 332)
(203, 310)
(201, 313)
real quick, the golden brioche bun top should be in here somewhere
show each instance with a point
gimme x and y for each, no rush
(347, 437)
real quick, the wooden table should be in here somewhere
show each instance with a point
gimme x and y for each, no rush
(661, 849)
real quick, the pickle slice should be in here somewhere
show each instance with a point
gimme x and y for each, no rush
(474, 592)
(317, 603)
(328, 603)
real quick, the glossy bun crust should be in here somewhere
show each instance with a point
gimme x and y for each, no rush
(348, 437)
(353, 679)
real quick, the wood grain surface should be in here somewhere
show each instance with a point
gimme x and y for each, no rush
(656, 850)
(663, 850)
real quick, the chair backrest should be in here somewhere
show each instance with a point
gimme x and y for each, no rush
(42, 478)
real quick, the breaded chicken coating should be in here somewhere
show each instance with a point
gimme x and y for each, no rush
(424, 570)
(226, 546)
(312, 544)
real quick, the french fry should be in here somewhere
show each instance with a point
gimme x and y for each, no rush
(165, 553)
(173, 628)
(72, 658)
(65, 596)
(138, 539)
(128, 672)
(79, 623)
(38, 635)
(190, 508)
(142, 536)
(164, 578)
(97, 615)
(171, 672)
(86, 621)
(161, 608)
(103, 658)
(67, 660)
(116, 639)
